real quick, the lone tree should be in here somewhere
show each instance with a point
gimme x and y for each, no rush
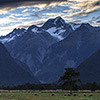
(70, 78)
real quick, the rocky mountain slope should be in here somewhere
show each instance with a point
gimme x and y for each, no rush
(12, 73)
(90, 68)
(70, 52)
(29, 46)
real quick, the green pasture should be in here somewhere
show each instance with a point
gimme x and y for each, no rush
(47, 96)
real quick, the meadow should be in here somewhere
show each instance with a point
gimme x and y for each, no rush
(48, 95)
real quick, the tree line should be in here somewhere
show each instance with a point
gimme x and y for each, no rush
(88, 86)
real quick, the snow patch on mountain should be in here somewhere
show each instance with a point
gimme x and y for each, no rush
(7, 39)
(3, 40)
(11, 36)
(52, 30)
(56, 33)
(36, 30)
(61, 31)
(74, 26)
(60, 19)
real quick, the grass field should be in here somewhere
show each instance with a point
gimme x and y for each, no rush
(47, 96)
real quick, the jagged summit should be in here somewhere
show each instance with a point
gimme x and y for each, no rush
(11, 36)
(17, 31)
(32, 26)
(87, 25)
(58, 22)
(35, 29)
(56, 27)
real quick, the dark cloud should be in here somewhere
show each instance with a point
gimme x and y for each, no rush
(35, 15)
(5, 2)
(8, 1)
(11, 4)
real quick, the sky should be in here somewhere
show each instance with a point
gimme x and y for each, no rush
(15, 14)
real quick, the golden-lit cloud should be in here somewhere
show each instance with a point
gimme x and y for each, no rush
(6, 20)
(26, 10)
(27, 24)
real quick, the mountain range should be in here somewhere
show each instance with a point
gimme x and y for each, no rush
(47, 50)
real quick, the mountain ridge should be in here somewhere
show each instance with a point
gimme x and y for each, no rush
(90, 68)
(11, 73)
(48, 50)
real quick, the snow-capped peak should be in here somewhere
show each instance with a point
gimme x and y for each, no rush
(55, 22)
(35, 30)
(56, 32)
(59, 20)
(17, 32)
(11, 36)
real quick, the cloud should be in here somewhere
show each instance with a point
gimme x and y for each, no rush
(35, 15)
(53, 14)
(29, 12)
(26, 10)
(7, 20)
(27, 24)
(81, 8)
(8, 29)
(95, 19)
(86, 6)
(6, 5)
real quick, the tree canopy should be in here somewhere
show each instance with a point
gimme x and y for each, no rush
(70, 78)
